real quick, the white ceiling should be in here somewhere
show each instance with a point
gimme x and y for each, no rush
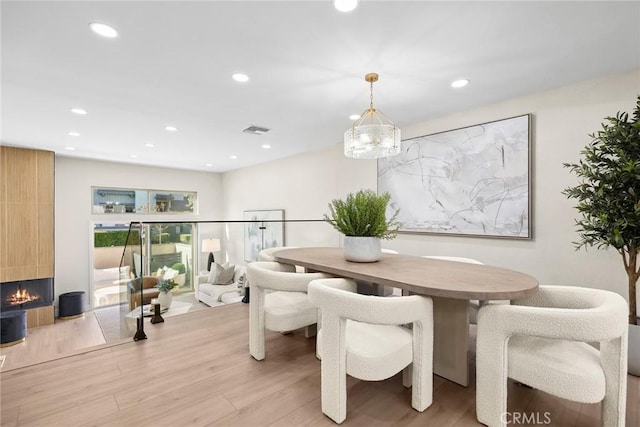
(173, 60)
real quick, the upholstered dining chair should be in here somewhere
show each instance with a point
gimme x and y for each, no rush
(267, 254)
(543, 341)
(361, 336)
(278, 302)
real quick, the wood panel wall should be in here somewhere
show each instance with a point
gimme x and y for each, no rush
(26, 214)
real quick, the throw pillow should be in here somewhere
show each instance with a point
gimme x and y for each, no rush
(224, 274)
(213, 272)
(124, 272)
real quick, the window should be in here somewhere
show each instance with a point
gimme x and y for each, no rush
(135, 201)
(164, 201)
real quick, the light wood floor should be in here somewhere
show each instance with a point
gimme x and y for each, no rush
(196, 370)
(50, 342)
(71, 336)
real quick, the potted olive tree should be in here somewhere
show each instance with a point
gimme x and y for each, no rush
(608, 195)
(361, 217)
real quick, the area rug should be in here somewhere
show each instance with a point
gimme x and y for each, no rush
(115, 328)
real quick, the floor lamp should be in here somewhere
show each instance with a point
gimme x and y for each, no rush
(211, 246)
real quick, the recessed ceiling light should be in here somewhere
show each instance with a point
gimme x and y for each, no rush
(460, 83)
(149, 145)
(208, 165)
(265, 146)
(79, 111)
(70, 148)
(171, 128)
(72, 133)
(103, 30)
(354, 117)
(345, 5)
(133, 156)
(239, 77)
(233, 157)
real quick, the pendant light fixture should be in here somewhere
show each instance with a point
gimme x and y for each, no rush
(373, 135)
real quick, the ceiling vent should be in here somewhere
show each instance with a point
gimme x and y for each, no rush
(256, 130)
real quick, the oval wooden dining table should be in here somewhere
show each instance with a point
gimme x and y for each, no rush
(450, 284)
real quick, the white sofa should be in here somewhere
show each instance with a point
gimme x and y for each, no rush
(109, 285)
(213, 295)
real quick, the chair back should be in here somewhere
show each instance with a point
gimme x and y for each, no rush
(279, 277)
(267, 254)
(600, 315)
(337, 297)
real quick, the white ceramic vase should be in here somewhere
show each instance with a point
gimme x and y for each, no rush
(165, 298)
(362, 249)
(634, 350)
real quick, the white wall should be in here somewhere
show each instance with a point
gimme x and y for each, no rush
(73, 213)
(304, 184)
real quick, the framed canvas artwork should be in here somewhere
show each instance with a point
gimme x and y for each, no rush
(262, 229)
(469, 181)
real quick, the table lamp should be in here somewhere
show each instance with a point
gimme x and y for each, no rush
(211, 246)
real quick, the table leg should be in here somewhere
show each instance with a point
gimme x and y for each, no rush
(451, 339)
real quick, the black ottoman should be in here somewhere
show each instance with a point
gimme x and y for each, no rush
(13, 327)
(71, 305)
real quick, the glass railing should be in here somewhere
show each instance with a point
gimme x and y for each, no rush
(176, 255)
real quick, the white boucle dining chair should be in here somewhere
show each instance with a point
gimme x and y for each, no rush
(361, 336)
(278, 302)
(267, 254)
(543, 341)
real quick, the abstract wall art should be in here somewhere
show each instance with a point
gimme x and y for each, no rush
(262, 229)
(469, 181)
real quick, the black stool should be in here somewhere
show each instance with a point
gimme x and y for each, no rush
(13, 327)
(71, 305)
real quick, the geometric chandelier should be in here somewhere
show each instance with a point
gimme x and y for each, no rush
(373, 135)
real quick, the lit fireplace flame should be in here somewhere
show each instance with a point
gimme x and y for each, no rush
(22, 296)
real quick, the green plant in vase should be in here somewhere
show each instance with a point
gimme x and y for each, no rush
(363, 215)
(165, 297)
(166, 285)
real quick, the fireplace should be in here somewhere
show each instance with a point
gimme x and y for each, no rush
(26, 294)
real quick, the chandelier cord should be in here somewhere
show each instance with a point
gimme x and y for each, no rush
(371, 96)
